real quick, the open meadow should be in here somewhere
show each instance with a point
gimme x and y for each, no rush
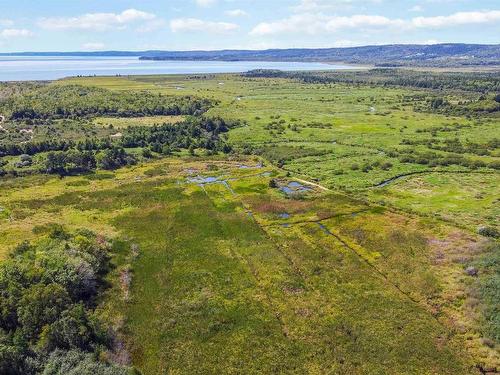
(351, 137)
(272, 225)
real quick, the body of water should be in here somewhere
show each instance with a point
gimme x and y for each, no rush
(27, 68)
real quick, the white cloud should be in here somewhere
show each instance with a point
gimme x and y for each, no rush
(6, 22)
(96, 46)
(236, 13)
(430, 41)
(416, 8)
(324, 5)
(193, 25)
(319, 23)
(205, 3)
(152, 25)
(460, 18)
(96, 21)
(15, 33)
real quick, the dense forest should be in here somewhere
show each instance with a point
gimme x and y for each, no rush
(34, 106)
(48, 292)
(67, 157)
(474, 82)
(75, 101)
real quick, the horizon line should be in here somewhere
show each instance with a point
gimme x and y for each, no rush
(254, 50)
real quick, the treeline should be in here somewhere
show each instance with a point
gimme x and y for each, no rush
(483, 82)
(48, 294)
(65, 157)
(73, 101)
(433, 159)
(200, 132)
(73, 162)
(483, 104)
(454, 145)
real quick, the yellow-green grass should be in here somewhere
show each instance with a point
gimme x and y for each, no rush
(465, 199)
(223, 285)
(125, 122)
(353, 118)
(218, 290)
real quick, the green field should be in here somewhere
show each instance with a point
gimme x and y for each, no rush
(328, 130)
(360, 272)
(228, 285)
(124, 122)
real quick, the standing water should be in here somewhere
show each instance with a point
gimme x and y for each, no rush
(29, 68)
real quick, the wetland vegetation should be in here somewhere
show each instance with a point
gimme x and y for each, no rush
(267, 222)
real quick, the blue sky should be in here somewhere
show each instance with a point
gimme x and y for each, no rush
(72, 25)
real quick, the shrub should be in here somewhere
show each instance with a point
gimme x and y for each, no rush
(488, 232)
(47, 293)
(70, 162)
(386, 166)
(76, 362)
(146, 153)
(494, 165)
(114, 158)
(24, 161)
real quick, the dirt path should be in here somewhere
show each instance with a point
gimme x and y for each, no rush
(313, 184)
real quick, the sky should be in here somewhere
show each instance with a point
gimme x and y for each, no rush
(92, 25)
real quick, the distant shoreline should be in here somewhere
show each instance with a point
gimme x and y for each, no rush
(48, 68)
(448, 55)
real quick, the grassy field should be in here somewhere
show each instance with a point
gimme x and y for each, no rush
(235, 276)
(361, 272)
(124, 122)
(331, 132)
(469, 199)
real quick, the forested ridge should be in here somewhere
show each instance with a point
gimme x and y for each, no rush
(445, 54)
(482, 82)
(73, 101)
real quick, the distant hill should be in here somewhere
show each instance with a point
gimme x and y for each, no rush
(439, 55)
(389, 55)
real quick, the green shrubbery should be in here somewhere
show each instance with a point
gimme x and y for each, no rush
(70, 162)
(476, 81)
(77, 362)
(47, 295)
(114, 158)
(73, 101)
(67, 157)
(433, 159)
(488, 232)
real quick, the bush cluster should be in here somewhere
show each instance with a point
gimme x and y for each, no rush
(47, 298)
